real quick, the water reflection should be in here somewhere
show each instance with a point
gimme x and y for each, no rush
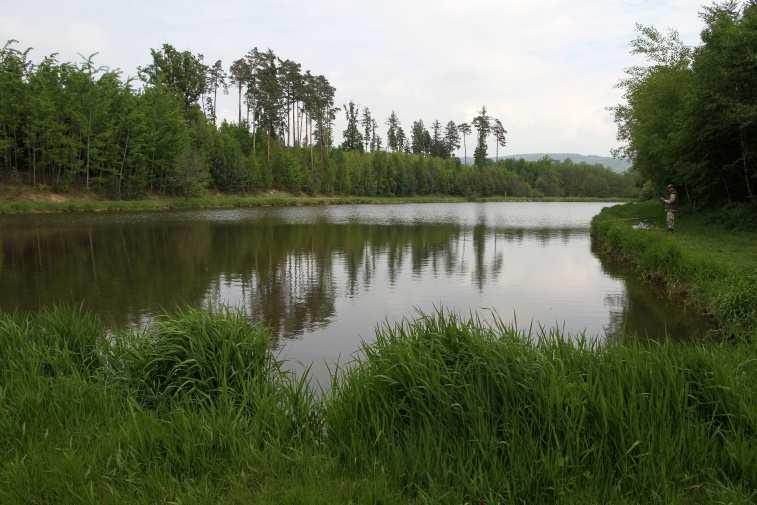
(323, 278)
(641, 311)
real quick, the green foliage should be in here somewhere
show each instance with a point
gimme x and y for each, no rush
(690, 115)
(181, 72)
(287, 171)
(230, 168)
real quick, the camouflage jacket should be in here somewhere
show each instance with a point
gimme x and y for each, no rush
(671, 202)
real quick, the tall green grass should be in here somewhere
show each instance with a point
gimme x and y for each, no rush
(192, 410)
(454, 408)
(712, 265)
(195, 409)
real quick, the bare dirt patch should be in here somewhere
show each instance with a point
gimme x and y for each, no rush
(10, 193)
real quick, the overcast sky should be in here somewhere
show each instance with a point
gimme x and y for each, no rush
(546, 68)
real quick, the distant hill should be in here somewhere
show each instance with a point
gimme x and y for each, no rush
(613, 164)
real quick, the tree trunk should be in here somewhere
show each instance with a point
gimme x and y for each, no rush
(688, 196)
(87, 177)
(123, 164)
(254, 136)
(89, 135)
(239, 120)
(749, 192)
(299, 128)
(727, 189)
(34, 167)
(215, 101)
(14, 155)
(310, 141)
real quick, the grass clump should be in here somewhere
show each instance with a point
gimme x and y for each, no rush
(196, 356)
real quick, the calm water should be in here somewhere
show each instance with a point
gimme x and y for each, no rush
(323, 277)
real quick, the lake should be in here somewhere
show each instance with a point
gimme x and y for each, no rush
(322, 278)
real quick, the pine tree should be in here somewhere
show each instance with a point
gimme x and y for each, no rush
(291, 76)
(402, 144)
(436, 144)
(367, 123)
(353, 139)
(240, 74)
(465, 129)
(482, 124)
(269, 97)
(419, 138)
(451, 139)
(500, 136)
(216, 78)
(392, 133)
(375, 137)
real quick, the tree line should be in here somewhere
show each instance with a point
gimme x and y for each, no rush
(361, 134)
(690, 113)
(65, 124)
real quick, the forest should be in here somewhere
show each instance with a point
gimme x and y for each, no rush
(690, 113)
(66, 125)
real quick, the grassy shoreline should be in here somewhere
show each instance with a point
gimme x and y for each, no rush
(61, 203)
(440, 410)
(708, 263)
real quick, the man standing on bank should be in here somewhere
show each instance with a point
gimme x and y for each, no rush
(671, 204)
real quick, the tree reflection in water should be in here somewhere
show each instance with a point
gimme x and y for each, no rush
(299, 277)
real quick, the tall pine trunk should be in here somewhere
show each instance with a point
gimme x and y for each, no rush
(215, 109)
(299, 128)
(310, 141)
(254, 135)
(239, 121)
(123, 164)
